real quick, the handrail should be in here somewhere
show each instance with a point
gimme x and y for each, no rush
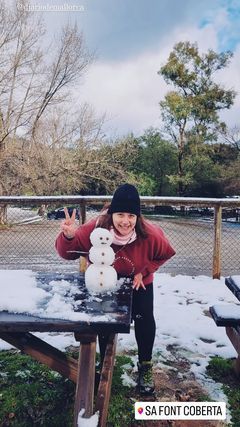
(162, 200)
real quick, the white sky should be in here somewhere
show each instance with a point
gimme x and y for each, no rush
(180, 304)
(129, 90)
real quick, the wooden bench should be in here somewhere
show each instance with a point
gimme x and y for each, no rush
(228, 315)
(15, 329)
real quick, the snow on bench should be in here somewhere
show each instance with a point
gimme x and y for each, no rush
(228, 315)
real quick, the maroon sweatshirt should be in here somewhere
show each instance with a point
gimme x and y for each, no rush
(141, 256)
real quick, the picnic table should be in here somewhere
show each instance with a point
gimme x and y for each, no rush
(17, 329)
(228, 315)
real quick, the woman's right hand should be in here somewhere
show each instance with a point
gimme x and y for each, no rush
(69, 225)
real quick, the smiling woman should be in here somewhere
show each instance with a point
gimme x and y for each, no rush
(125, 209)
(124, 223)
(140, 249)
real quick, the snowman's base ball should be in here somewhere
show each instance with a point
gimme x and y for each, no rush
(100, 278)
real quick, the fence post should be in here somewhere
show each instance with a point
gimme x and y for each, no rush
(3, 214)
(217, 242)
(82, 220)
(82, 212)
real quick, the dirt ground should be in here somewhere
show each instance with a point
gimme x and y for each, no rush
(171, 387)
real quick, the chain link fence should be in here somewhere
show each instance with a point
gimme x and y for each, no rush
(27, 236)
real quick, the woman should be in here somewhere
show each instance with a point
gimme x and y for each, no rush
(140, 248)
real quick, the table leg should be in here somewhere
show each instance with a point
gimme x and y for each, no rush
(104, 389)
(85, 377)
(233, 334)
(43, 352)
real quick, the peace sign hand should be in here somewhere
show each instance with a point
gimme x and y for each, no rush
(68, 225)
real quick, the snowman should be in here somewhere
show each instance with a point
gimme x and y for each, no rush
(100, 276)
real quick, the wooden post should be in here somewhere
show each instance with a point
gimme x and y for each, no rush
(82, 264)
(86, 376)
(3, 214)
(82, 212)
(104, 389)
(217, 242)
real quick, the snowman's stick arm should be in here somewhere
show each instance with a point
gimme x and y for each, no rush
(78, 252)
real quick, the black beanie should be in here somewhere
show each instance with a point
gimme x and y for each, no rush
(125, 199)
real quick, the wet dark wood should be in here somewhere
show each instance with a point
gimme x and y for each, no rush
(226, 319)
(232, 285)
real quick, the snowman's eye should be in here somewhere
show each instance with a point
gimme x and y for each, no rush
(101, 238)
(107, 238)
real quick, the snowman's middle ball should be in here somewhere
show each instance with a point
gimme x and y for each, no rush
(102, 256)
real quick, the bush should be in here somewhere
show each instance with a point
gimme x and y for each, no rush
(221, 370)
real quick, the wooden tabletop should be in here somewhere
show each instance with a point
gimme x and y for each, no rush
(113, 308)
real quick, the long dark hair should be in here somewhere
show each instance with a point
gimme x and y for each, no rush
(105, 221)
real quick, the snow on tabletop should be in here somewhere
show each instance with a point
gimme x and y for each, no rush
(87, 422)
(20, 293)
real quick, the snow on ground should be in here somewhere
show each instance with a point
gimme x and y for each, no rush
(181, 305)
(22, 216)
(87, 422)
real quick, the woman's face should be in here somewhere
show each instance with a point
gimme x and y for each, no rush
(124, 222)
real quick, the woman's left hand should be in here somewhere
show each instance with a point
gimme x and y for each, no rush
(138, 282)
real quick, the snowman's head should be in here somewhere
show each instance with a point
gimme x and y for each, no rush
(101, 237)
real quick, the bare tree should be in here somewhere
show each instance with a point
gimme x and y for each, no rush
(19, 70)
(33, 82)
(48, 145)
(70, 62)
(72, 154)
(232, 137)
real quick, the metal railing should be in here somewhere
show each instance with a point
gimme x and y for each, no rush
(204, 232)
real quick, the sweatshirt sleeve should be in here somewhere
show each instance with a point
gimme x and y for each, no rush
(81, 241)
(160, 251)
